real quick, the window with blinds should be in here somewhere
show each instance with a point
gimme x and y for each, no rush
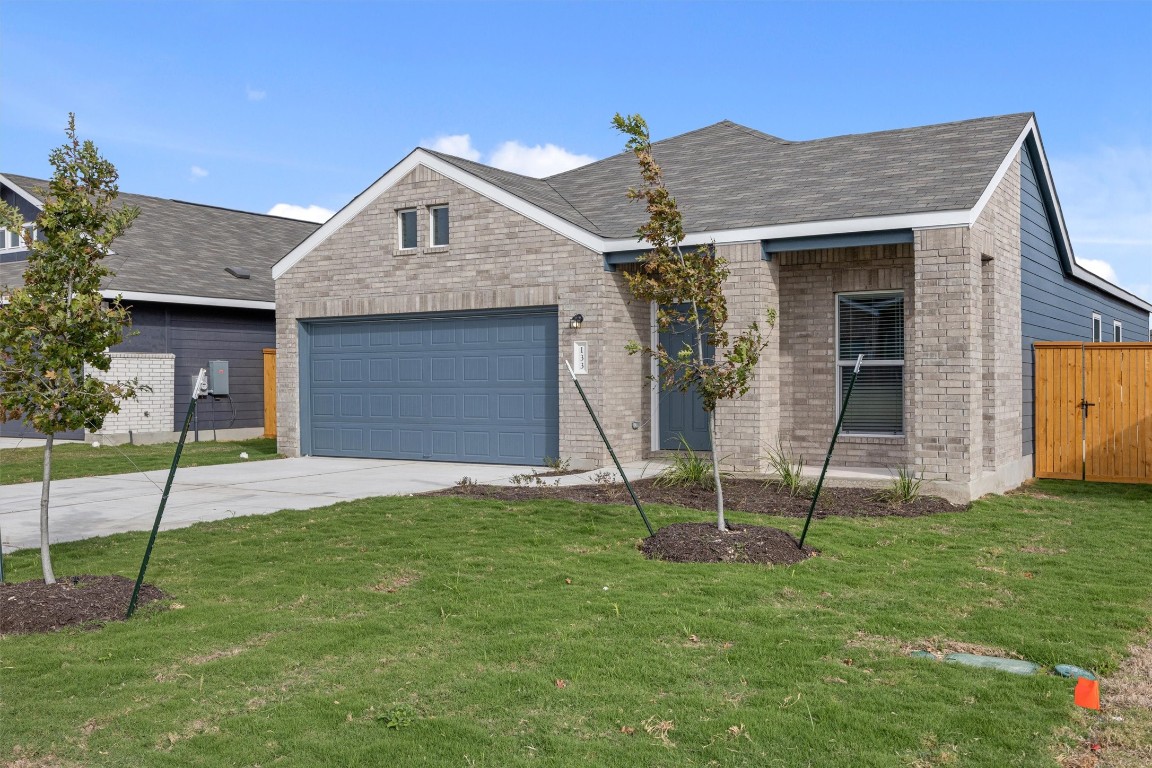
(871, 324)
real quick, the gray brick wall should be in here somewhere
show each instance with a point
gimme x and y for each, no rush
(496, 258)
(996, 240)
(809, 282)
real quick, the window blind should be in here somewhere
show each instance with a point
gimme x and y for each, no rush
(871, 325)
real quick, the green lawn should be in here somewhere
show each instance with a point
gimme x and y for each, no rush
(26, 465)
(300, 638)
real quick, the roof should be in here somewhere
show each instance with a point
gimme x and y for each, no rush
(181, 249)
(727, 176)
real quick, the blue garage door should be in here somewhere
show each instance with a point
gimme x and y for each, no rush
(477, 387)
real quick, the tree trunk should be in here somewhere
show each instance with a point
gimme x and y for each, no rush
(45, 555)
(721, 525)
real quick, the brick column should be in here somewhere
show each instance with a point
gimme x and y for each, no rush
(747, 425)
(946, 356)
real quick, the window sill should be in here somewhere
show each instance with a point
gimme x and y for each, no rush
(437, 249)
(407, 251)
(874, 439)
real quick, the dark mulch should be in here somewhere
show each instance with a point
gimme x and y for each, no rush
(740, 494)
(33, 606)
(703, 543)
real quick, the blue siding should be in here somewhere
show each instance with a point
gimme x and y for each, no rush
(196, 335)
(1054, 306)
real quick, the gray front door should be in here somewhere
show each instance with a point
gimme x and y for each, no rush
(480, 387)
(682, 414)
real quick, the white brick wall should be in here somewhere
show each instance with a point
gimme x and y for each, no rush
(149, 411)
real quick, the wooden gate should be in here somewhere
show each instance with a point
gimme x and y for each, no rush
(1094, 411)
(269, 393)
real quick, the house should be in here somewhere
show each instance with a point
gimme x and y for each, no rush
(432, 316)
(198, 282)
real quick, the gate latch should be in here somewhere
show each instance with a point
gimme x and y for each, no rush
(1085, 405)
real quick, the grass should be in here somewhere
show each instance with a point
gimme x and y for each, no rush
(26, 465)
(461, 632)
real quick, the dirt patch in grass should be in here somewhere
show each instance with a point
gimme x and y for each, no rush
(740, 494)
(1120, 734)
(703, 543)
(89, 601)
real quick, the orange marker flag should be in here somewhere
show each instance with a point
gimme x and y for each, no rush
(1087, 693)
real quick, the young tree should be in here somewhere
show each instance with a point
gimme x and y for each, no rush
(56, 330)
(687, 288)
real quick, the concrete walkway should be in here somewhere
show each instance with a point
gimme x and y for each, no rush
(98, 506)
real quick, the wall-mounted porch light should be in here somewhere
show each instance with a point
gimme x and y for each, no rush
(577, 321)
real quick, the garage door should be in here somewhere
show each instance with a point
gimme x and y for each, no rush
(477, 387)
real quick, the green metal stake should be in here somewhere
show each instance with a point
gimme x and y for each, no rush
(164, 497)
(828, 458)
(604, 437)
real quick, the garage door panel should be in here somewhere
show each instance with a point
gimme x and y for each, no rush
(477, 388)
(324, 371)
(444, 406)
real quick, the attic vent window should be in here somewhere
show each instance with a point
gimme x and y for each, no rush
(239, 272)
(407, 222)
(439, 221)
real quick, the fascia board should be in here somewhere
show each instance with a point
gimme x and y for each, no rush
(930, 220)
(1002, 171)
(1077, 271)
(21, 191)
(178, 298)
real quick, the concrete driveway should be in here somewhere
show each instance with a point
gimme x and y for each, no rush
(98, 506)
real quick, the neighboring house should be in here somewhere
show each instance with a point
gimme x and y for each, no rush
(431, 317)
(198, 283)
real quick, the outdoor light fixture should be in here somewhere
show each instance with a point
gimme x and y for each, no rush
(577, 321)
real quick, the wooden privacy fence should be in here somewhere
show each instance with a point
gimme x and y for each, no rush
(269, 393)
(1094, 411)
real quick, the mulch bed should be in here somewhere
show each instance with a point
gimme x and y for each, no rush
(90, 601)
(703, 543)
(740, 494)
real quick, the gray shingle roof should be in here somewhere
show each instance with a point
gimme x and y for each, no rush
(727, 176)
(174, 247)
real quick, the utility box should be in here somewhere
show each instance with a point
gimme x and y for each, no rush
(218, 377)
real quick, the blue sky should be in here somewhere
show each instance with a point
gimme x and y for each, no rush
(252, 105)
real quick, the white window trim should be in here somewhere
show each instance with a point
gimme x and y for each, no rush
(1097, 328)
(1117, 331)
(400, 229)
(432, 227)
(839, 364)
(20, 246)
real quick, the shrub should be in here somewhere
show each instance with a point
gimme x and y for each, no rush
(905, 487)
(688, 469)
(788, 472)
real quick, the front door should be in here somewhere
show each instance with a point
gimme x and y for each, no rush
(682, 416)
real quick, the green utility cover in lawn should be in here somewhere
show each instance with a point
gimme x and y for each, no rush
(1015, 666)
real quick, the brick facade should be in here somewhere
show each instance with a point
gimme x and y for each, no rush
(961, 288)
(496, 258)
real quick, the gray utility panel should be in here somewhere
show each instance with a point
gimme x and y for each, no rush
(478, 387)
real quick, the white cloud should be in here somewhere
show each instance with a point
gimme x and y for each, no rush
(198, 172)
(536, 161)
(255, 94)
(1106, 197)
(457, 144)
(1100, 267)
(305, 213)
